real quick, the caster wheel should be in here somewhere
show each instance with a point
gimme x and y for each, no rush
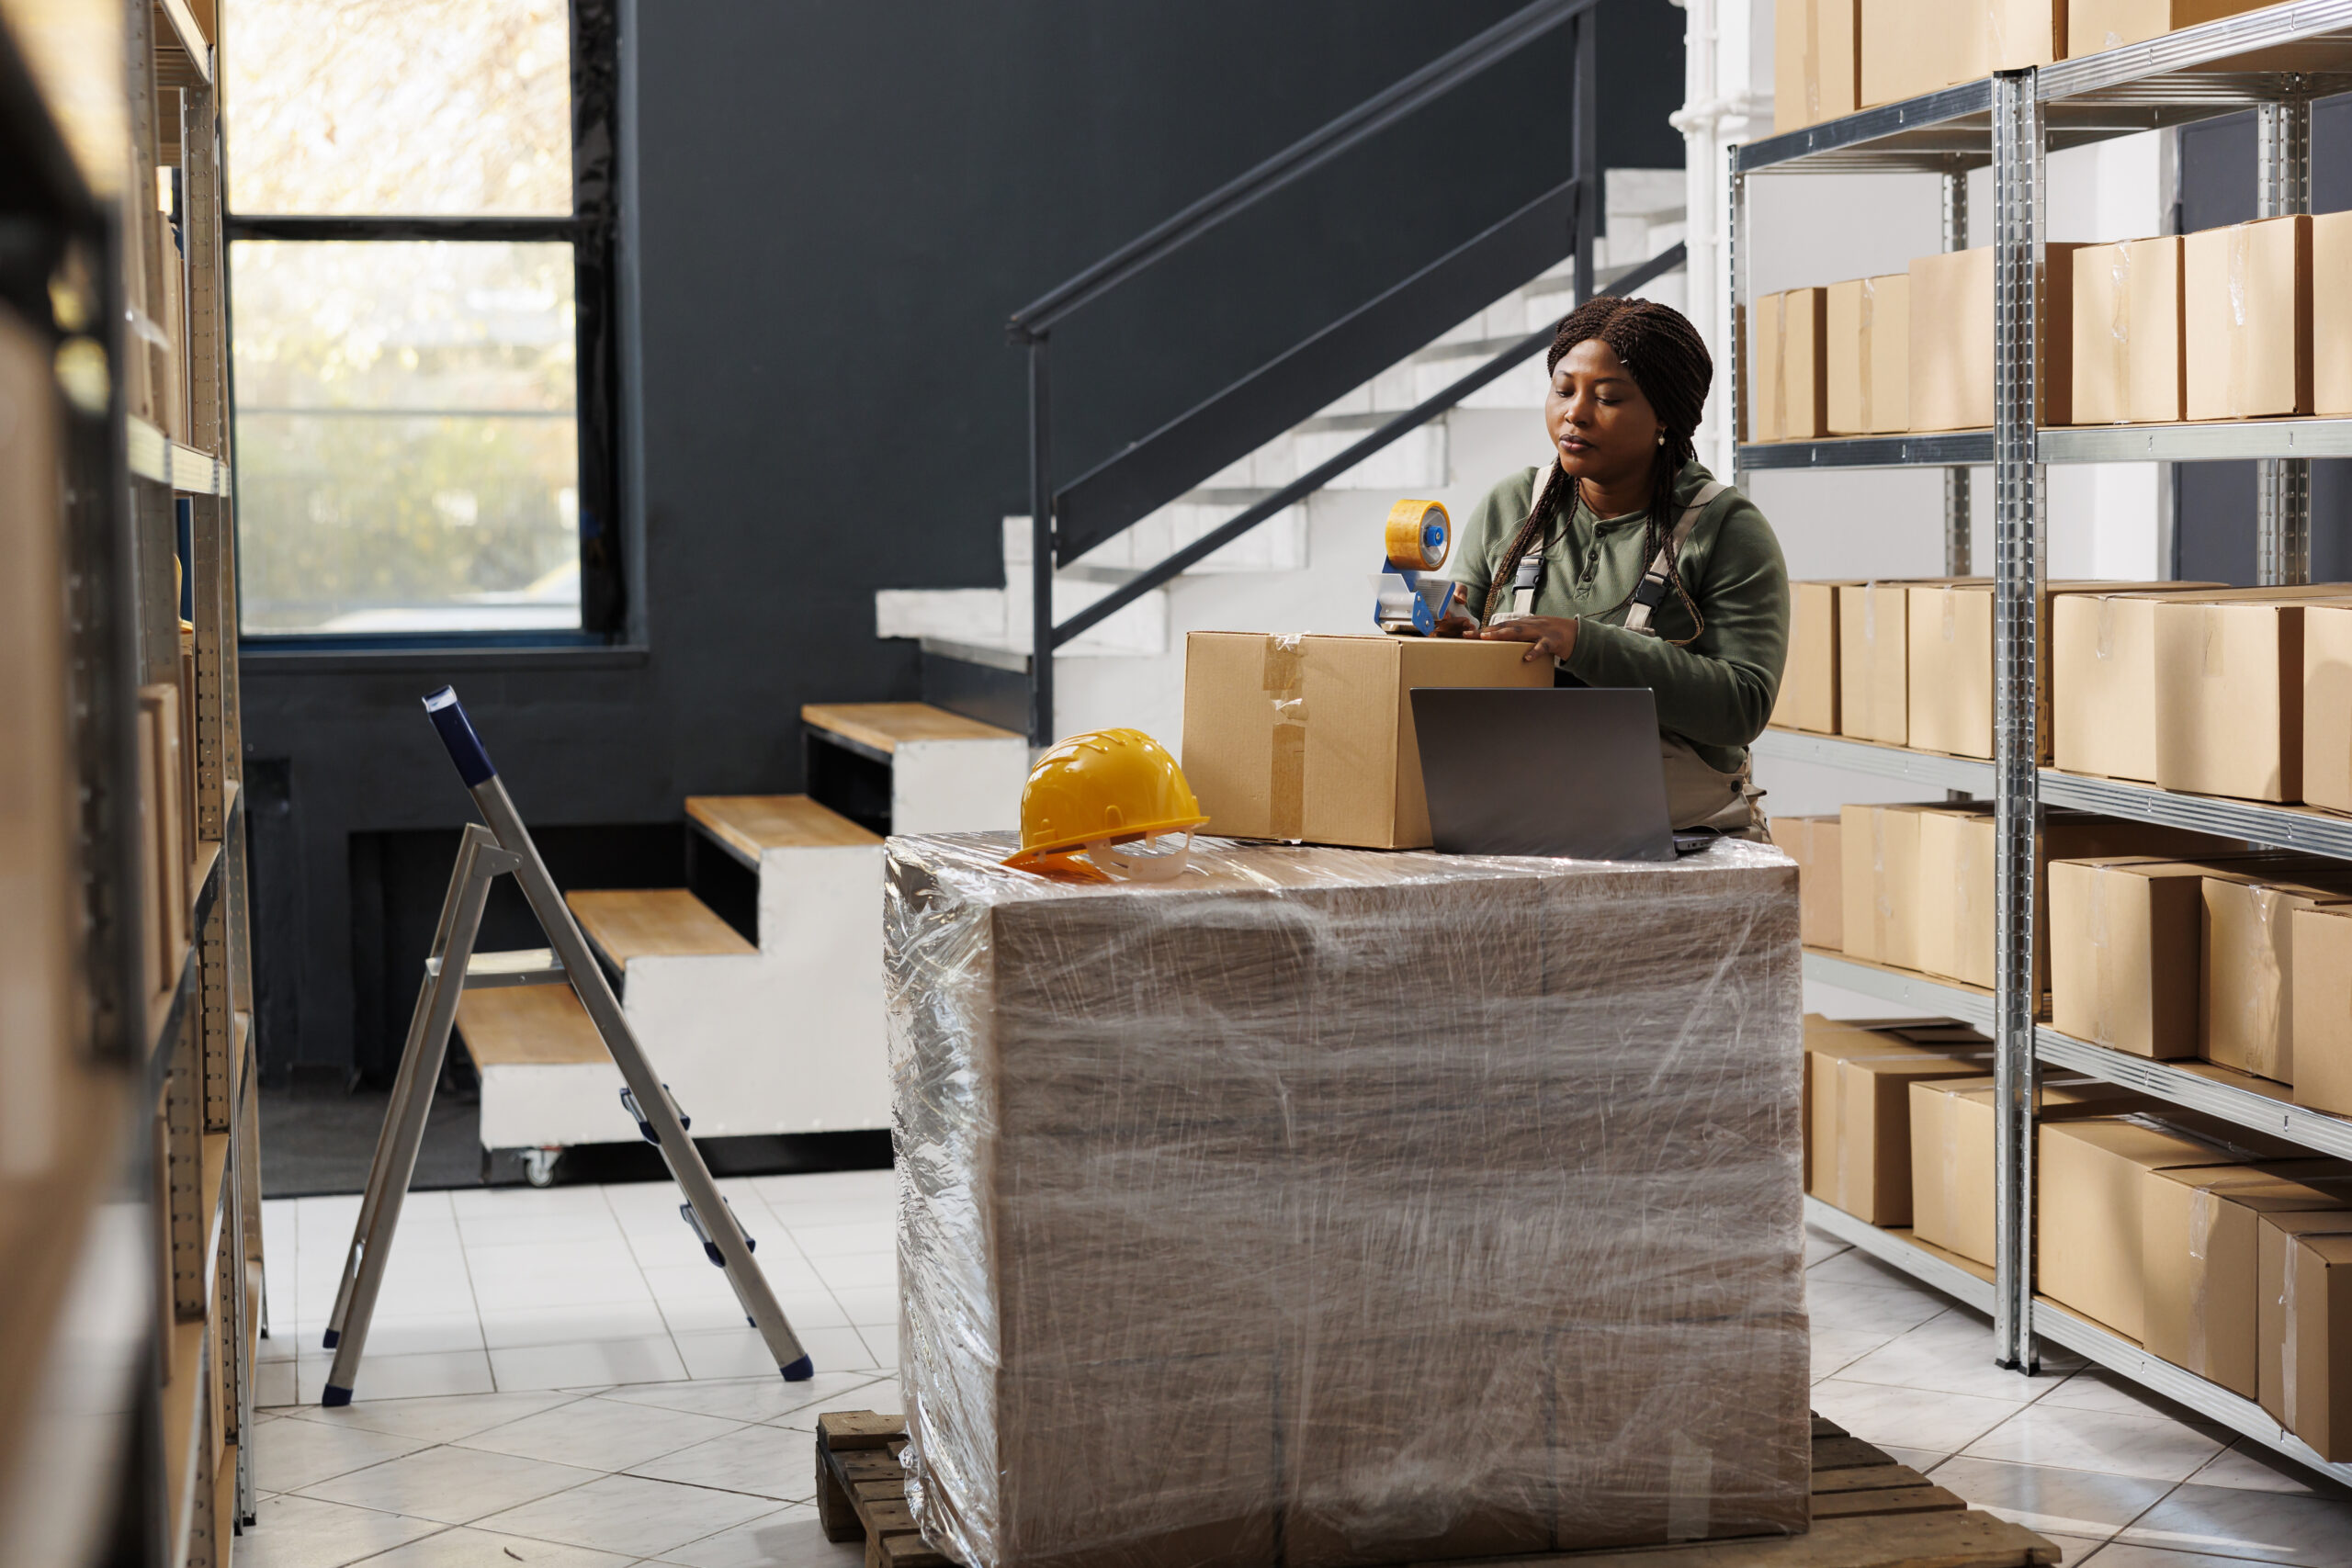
(540, 1166)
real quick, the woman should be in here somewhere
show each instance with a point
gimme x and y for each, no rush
(1627, 564)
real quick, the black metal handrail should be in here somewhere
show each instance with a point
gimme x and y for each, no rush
(1323, 473)
(1310, 152)
(1031, 325)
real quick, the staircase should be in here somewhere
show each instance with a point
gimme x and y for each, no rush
(1307, 568)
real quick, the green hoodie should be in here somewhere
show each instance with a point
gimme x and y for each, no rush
(1717, 691)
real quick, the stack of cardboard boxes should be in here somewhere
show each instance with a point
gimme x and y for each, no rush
(2221, 1250)
(1833, 57)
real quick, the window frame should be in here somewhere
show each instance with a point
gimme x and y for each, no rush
(591, 230)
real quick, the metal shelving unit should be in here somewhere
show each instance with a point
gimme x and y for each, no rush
(2275, 61)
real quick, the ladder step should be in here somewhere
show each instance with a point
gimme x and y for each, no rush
(524, 967)
(883, 727)
(746, 825)
(528, 1026)
(649, 922)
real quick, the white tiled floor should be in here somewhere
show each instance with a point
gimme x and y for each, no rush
(558, 1379)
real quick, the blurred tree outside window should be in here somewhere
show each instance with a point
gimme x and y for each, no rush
(408, 450)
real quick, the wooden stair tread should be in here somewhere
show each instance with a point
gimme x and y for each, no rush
(884, 726)
(652, 922)
(751, 823)
(528, 1026)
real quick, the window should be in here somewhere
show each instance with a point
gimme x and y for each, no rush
(419, 310)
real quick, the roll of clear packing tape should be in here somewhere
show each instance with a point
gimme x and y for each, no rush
(1418, 535)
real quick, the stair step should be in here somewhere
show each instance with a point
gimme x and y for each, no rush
(528, 1026)
(653, 922)
(745, 824)
(883, 727)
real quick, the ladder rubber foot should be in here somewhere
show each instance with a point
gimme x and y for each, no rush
(338, 1397)
(332, 1336)
(800, 1371)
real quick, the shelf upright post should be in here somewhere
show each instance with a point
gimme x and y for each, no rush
(2018, 484)
(1735, 313)
(1959, 546)
(1041, 548)
(2283, 485)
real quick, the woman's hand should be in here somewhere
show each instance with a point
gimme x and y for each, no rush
(1553, 635)
(1456, 624)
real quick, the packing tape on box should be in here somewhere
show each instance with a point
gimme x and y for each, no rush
(2119, 330)
(2233, 393)
(1866, 416)
(1284, 681)
(1418, 536)
(1951, 612)
(2102, 963)
(2106, 648)
(1781, 366)
(1812, 60)
(2261, 1012)
(2204, 1210)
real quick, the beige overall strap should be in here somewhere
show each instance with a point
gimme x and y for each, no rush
(1651, 591)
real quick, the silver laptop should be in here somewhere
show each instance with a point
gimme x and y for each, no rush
(1572, 771)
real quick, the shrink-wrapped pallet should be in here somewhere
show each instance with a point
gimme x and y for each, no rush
(1329, 1207)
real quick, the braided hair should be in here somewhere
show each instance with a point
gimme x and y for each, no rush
(1663, 355)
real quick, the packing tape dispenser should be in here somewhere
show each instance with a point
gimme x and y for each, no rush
(1417, 536)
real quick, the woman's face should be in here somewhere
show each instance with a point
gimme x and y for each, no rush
(1602, 427)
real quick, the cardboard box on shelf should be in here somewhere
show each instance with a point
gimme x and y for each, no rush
(1950, 638)
(2246, 291)
(1310, 736)
(2331, 314)
(2229, 693)
(2102, 676)
(1812, 842)
(1907, 48)
(1878, 859)
(1787, 338)
(2327, 704)
(1951, 338)
(2322, 1006)
(2200, 1229)
(1953, 927)
(2091, 1184)
(1951, 1151)
(1875, 662)
(2249, 964)
(2126, 952)
(2304, 1290)
(2127, 365)
(1861, 1117)
(1868, 355)
(1816, 62)
(2093, 25)
(1808, 696)
(2016, 34)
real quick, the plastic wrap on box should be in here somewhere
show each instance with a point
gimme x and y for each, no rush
(1330, 1207)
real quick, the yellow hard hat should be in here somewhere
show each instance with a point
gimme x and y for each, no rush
(1108, 787)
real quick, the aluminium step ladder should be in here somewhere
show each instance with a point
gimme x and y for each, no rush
(503, 847)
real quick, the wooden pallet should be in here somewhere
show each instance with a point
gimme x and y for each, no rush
(1868, 1512)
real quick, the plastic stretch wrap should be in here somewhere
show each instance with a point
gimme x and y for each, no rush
(1331, 1207)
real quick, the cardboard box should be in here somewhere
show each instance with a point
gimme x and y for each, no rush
(1953, 926)
(1816, 62)
(2093, 25)
(1311, 737)
(1808, 695)
(2230, 698)
(1908, 49)
(2127, 352)
(1867, 350)
(1878, 866)
(2200, 1230)
(1951, 661)
(1951, 338)
(1787, 334)
(2331, 314)
(2102, 677)
(2304, 1293)
(1953, 1151)
(1812, 842)
(2127, 936)
(1861, 1117)
(2249, 964)
(2092, 1187)
(2016, 34)
(2248, 324)
(1875, 662)
(2327, 706)
(2321, 1006)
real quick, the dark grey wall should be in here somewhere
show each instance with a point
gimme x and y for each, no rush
(833, 208)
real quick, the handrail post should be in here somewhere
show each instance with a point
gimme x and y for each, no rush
(1584, 142)
(1041, 548)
